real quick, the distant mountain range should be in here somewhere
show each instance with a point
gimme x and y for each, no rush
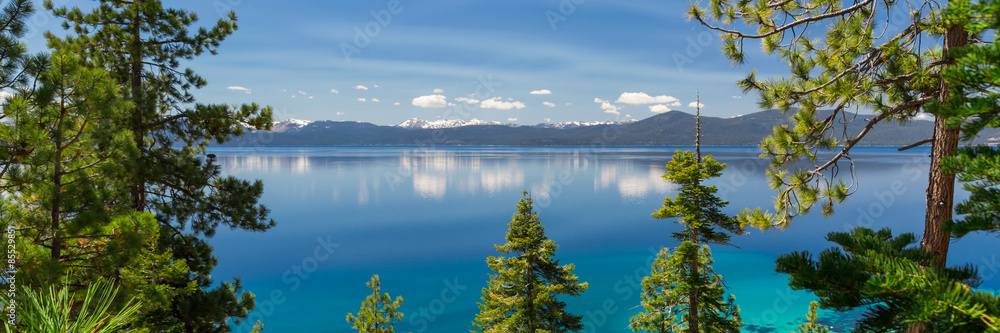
(672, 128)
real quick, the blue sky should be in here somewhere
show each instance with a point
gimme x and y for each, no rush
(585, 60)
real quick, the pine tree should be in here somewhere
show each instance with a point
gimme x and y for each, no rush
(378, 311)
(843, 56)
(894, 282)
(684, 291)
(811, 326)
(522, 295)
(142, 44)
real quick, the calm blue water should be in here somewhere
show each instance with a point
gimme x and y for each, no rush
(426, 219)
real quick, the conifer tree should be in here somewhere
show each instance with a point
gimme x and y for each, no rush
(894, 282)
(142, 44)
(844, 56)
(683, 290)
(523, 294)
(378, 312)
(812, 326)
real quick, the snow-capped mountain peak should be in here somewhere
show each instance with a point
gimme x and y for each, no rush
(289, 124)
(435, 124)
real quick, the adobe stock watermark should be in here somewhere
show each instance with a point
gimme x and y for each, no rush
(565, 9)
(224, 7)
(9, 277)
(364, 35)
(427, 315)
(693, 49)
(292, 279)
(911, 171)
(551, 190)
(485, 88)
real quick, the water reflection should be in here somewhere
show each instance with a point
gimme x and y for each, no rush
(436, 174)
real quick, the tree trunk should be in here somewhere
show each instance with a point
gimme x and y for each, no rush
(139, 187)
(693, 296)
(941, 185)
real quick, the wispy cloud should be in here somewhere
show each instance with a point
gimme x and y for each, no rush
(497, 103)
(467, 100)
(334, 91)
(360, 87)
(238, 88)
(362, 99)
(541, 92)
(376, 100)
(643, 98)
(549, 104)
(431, 101)
(608, 107)
(438, 91)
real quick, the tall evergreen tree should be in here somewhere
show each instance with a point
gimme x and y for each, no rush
(142, 43)
(844, 56)
(378, 312)
(683, 290)
(522, 295)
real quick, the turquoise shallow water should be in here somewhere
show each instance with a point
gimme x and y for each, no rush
(426, 219)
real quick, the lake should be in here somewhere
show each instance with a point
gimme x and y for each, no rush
(425, 219)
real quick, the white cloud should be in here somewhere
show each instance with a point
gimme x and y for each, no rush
(5, 96)
(303, 93)
(695, 105)
(541, 92)
(628, 116)
(737, 97)
(496, 103)
(362, 99)
(375, 86)
(677, 103)
(431, 101)
(283, 90)
(659, 108)
(549, 104)
(360, 87)
(376, 100)
(467, 100)
(608, 107)
(310, 97)
(511, 119)
(923, 116)
(643, 98)
(569, 104)
(548, 120)
(340, 113)
(438, 91)
(238, 88)
(334, 91)
(397, 103)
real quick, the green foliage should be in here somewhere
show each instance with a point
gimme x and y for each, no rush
(378, 312)
(683, 292)
(841, 56)
(258, 328)
(696, 206)
(812, 326)
(55, 310)
(892, 279)
(523, 294)
(665, 295)
(142, 45)
(973, 80)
